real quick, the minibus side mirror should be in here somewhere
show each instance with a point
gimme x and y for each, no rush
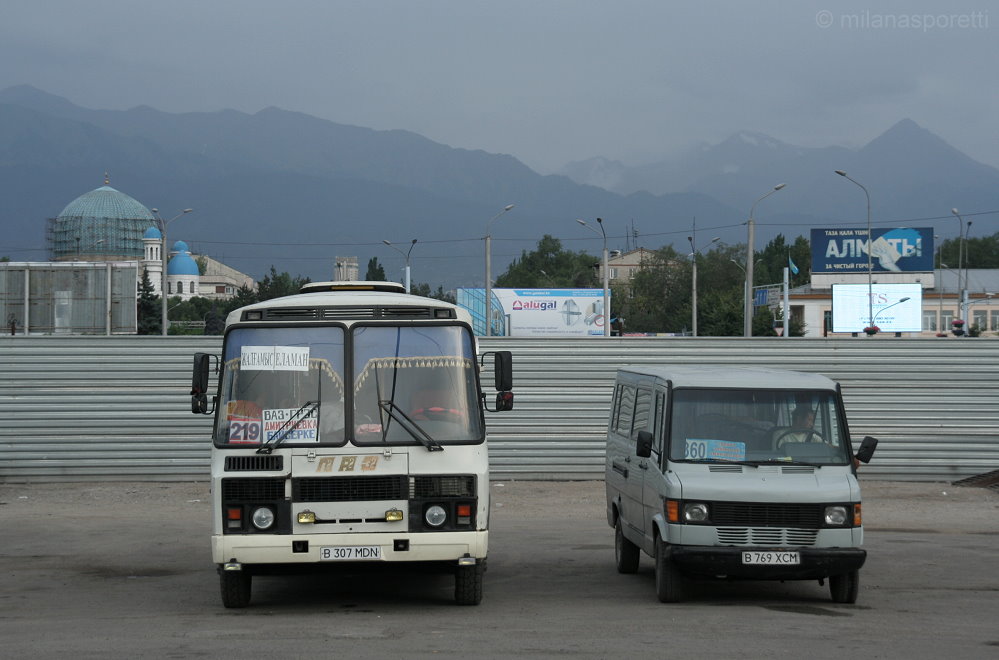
(866, 451)
(199, 384)
(643, 446)
(503, 367)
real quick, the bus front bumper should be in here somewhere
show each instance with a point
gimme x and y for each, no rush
(333, 548)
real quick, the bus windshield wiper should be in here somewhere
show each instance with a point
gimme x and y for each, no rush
(296, 418)
(406, 422)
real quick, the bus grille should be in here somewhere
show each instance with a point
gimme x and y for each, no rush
(250, 463)
(252, 490)
(349, 489)
(424, 487)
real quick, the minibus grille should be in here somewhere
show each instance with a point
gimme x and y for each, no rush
(349, 489)
(770, 536)
(252, 490)
(766, 514)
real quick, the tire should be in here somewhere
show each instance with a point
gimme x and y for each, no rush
(236, 586)
(844, 588)
(468, 583)
(669, 581)
(626, 553)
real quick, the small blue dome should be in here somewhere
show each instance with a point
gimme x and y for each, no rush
(153, 232)
(182, 263)
(180, 246)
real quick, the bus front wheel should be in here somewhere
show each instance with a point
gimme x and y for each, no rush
(468, 583)
(235, 587)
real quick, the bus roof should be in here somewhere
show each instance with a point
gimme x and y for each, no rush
(350, 301)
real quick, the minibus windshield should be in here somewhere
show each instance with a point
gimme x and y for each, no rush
(757, 426)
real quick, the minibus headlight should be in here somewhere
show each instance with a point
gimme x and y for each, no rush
(695, 512)
(435, 515)
(262, 517)
(835, 515)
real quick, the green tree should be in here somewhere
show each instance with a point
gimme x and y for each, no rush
(423, 289)
(979, 252)
(376, 273)
(550, 266)
(275, 285)
(214, 321)
(148, 311)
(658, 299)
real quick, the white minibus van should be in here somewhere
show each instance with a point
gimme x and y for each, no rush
(729, 473)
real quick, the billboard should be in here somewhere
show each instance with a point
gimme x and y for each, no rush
(852, 313)
(902, 250)
(538, 312)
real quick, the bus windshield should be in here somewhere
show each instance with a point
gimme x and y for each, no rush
(412, 382)
(781, 426)
(406, 385)
(283, 385)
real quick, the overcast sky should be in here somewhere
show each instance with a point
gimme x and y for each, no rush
(548, 81)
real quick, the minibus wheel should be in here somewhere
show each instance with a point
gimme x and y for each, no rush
(236, 587)
(669, 581)
(844, 588)
(625, 552)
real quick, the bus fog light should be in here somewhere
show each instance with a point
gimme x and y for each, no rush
(835, 515)
(695, 512)
(393, 515)
(435, 515)
(306, 517)
(262, 517)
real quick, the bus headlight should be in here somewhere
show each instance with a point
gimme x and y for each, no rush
(262, 517)
(435, 515)
(835, 516)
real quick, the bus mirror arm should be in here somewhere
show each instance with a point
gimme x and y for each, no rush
(199, 384)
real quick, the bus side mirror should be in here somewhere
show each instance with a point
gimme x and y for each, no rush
(643, 446)
(866, 451)
(503, 366)
(199, 383)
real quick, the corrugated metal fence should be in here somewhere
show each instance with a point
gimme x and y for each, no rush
(101, 408)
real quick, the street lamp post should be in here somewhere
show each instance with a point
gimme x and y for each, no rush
(870, 262)
(747, 309)
(883, 309)
(406, 255)
(693, 281)
(489, 281)
(960, 252)
(606, 274)
(164, 253)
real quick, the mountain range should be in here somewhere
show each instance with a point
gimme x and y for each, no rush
(294, 191)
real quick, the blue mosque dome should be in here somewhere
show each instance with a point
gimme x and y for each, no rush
(106, 202)
(182, 263)
(103, 224)
(154, 233)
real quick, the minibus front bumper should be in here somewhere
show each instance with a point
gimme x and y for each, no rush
(729, 562)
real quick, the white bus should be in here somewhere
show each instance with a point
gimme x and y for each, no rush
(349, 427)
